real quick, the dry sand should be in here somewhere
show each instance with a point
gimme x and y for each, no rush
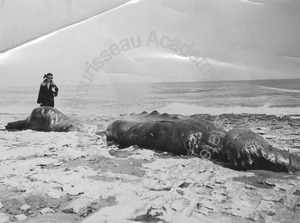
(77, 177)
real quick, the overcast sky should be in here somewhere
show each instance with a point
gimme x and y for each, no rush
(21, 20)
(238, 39)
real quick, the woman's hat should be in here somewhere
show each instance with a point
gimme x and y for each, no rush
(48, 75)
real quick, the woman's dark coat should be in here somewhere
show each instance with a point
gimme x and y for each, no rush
(46, 96)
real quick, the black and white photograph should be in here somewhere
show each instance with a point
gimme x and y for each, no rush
(159, 111)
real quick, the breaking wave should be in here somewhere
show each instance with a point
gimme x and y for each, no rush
(190, 109)
(281, 89)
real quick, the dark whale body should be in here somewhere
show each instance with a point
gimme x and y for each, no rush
(43, 119)
(163, 132)
(190, 136)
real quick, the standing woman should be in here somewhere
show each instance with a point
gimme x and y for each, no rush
(48, 91)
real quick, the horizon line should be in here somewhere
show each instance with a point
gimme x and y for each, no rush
(165, 82)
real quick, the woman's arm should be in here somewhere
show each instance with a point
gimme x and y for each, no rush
(54, 90)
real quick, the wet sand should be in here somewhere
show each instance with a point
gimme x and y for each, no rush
(77, 177)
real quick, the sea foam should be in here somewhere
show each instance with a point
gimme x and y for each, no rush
(190, 109)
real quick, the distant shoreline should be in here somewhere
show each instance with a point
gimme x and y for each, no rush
(156, 82)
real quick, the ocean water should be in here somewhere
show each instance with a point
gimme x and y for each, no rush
(278, 97)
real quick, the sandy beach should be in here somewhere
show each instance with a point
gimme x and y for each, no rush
(76, 177)
(101, 61)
